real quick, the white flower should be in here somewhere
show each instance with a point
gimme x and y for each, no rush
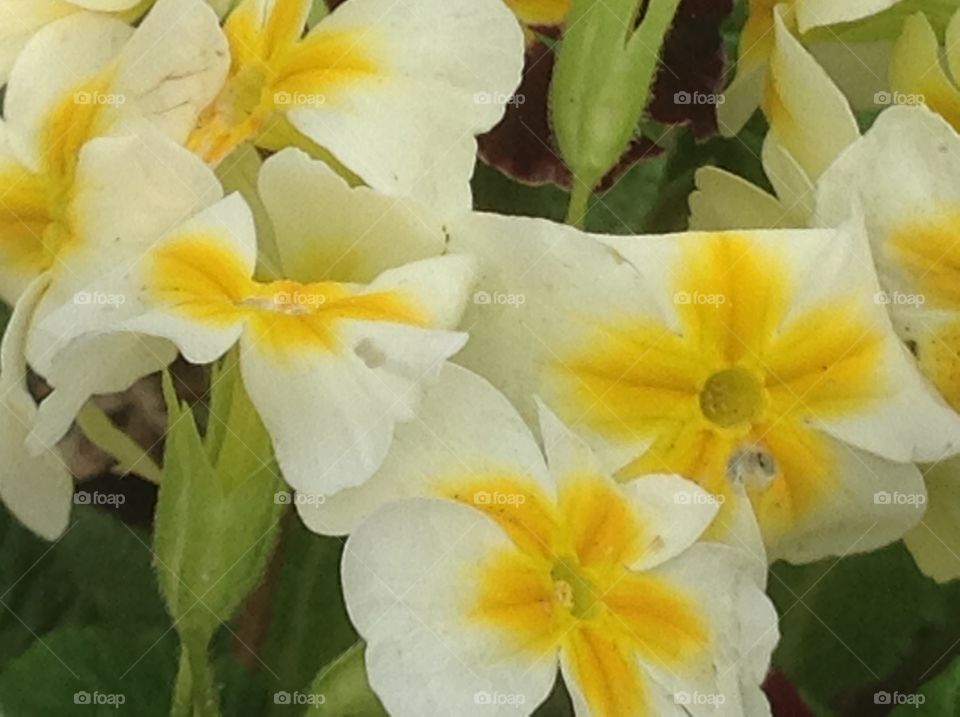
(752, 362)
(522, 569)
(334, 354)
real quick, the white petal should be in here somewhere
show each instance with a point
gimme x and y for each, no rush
(173, 66)
(724, 202)
(808, 115)
(790, 182)
(463, 427)
(332, 413)
(876, 503)
(48, 72)
(741, 100)
(327, 230)
(19, 21)
(120, 300)
(105, 5)
(403, 581)
(411, 132)
(742, 623)
(817, 13)
(37, 490)
(935, 542)
(94, 365)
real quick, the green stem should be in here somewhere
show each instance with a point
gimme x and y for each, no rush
(130, 457)
(579, 204)
(194, 693)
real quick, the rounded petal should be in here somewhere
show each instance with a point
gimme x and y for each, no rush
(38, 490)
(407, 583)
(45, 93)
(917, 72)
(409, 129)
(19, 21)
(464, 430)
(935, 541)
(808, 114)
(871, 503)
(326, 230)
(723, 202)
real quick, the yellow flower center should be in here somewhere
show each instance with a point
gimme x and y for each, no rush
(573, 591)
(731, 397)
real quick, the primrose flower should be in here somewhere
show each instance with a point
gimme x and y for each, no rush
(917, 75)
(753, 359)
(373, 84)
(333, 354)
(801, 16)
(522, 569)
(804, 138)
(905, 173)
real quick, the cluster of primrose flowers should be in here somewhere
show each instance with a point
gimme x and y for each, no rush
(592, 479)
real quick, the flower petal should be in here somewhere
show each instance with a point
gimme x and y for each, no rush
(817, 13)
(723, 202)
(412, 131)
(466, 435)
(20, 20)
(935, 542)
(38, 490)
(412, 579)
(916, 69)
(331, 410)
(326, 230)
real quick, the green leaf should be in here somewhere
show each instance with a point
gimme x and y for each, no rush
(939, 697)
(341, 689)
(849, 623)
(87, 671)
(602, 80)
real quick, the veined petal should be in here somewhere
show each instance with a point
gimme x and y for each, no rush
(916, 69)
(38, 490)
(466, 443)
(422, 604)
(808, 114)
(173, 66)
(331, 387)
(328, 231)
(935, 542)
